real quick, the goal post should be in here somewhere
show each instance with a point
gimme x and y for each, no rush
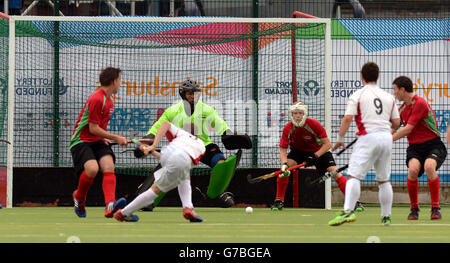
(327, 84)
(243, 66)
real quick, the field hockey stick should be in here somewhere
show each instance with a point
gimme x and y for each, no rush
(274, 174)
(138, 144)
(135, 141)
(348, 146)
(132, 150)
(327, 175)
(5, 141)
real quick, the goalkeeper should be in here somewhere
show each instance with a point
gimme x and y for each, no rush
(309, 143)
(192, 109)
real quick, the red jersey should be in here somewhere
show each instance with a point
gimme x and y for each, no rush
(419, 114)
(98, 109)
(306, 138)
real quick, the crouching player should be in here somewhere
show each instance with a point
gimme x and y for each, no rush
(309, 143)
(177, 158)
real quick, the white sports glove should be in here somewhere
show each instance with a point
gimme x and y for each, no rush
(285, 172)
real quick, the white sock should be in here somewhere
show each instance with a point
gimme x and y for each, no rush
(352, 192)
(143, 200)
(385, 195)
(185, 192)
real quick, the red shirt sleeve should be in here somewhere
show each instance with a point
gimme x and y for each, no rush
(418, 113)
(95, 110)
(284, 142)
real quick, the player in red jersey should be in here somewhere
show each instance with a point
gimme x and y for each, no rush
(309, 143)
(89, 144)
(426, 151)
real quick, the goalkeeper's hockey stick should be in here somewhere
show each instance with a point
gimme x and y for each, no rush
(327, 175)
(274, 174)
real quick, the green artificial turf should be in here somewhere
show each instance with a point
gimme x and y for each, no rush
(221, 225)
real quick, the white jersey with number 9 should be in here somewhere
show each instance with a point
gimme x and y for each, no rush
(373, 109)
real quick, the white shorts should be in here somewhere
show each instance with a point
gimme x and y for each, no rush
(176, 165)
(372, 150)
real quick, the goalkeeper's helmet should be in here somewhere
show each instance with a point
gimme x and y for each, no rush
(298, 106)
(188, 85)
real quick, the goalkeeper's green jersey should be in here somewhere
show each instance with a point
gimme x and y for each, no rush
(204, 117)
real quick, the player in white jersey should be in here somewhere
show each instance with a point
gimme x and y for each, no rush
(177, 158)
(375, 115)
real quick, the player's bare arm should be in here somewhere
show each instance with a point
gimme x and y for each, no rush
(161, 131)
(395, 125)
(96, 130)
(326, 146)
(283, 155)
(345, 125)
(151, 149)
(284, 162)
(405, 131)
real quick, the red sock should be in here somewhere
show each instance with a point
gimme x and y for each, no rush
(433, 185)
(341, 182)
(109, 186)
(84, 184)
(413, 191)
(282, 184)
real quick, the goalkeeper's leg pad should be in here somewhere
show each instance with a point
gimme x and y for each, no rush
(221, 175)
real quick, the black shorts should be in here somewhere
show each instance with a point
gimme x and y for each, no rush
(85, 151)
(211, 150)
(322, 164)
(434, 149)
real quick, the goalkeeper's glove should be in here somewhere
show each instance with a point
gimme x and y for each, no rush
(285, 171)
(234, 141)
(311, 160)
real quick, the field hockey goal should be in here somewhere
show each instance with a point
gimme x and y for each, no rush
(245, 66)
